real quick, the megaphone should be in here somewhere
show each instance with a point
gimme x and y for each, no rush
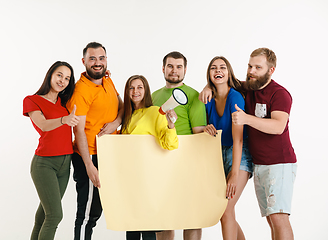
(178, 97)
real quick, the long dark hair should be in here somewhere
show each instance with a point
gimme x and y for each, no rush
(232, 80)
(128, 104)
(64, 95)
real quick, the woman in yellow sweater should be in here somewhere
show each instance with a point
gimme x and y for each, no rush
(141, 117)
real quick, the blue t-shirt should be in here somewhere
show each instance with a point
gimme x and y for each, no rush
(224, 123)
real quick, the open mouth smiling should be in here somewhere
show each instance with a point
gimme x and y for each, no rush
(218, 76)
(97, 68)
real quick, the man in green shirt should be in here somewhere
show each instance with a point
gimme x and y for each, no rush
(191, 117)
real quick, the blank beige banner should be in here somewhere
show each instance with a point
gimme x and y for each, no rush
(145, 187)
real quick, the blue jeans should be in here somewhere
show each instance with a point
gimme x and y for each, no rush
(246, 163)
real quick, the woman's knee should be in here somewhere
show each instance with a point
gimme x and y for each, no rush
(228, 215)
(54, 219)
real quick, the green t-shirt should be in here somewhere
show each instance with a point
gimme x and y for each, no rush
(193, 114)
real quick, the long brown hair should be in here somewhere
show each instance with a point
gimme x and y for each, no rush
(64, 95)
(128, 104)
(232, 80)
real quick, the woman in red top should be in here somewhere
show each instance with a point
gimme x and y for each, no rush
(50, 166)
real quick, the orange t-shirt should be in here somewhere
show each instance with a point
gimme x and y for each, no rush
(99, 103)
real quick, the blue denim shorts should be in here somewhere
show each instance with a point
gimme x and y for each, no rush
(246, 163)
(274, 187)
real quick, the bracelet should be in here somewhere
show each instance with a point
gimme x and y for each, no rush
(61, 120)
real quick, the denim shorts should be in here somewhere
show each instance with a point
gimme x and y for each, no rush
(274, 187)
(246, 163)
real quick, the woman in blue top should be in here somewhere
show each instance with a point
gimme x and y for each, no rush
(237, 161)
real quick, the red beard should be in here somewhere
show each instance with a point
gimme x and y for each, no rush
(259, 82)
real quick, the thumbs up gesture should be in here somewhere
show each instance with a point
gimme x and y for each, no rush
(71, 120)
(238, 117)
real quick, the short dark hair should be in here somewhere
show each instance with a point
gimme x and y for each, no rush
(175, 55)
(92, 45)
(64, 95)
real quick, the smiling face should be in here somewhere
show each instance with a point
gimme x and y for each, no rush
(95, 62)
(60, 79)
(258, 73)
(174, 71)
(137, 93)
(219, 73)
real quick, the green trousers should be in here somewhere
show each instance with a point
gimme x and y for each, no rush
(50, 176)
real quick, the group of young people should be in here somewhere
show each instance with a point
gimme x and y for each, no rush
(253, 116)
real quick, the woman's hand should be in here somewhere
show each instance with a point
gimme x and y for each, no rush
(205, 95)
(171, 117)
(232, 179)
(211, 130)
(71, 120)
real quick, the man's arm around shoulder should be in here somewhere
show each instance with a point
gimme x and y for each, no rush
(109, 128)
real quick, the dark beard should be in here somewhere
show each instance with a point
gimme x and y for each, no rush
(259, 82)
(98, 75)
(174, 81)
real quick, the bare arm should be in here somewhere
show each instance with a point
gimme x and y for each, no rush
(82, 145)
(109, 128)
(198, 129)
(50, 124)
(237, 136)
(205, 95)
(274, 125)
(232, 178)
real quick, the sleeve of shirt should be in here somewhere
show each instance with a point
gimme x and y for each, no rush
(208, 105)
(111, 83)
(29, 106)
(281, 101)
(197, 113)
(155, 98)
(81, 102)
(167, 138)
(236, 98)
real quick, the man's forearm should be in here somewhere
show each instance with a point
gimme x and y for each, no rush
(268, 125)
(82, 145)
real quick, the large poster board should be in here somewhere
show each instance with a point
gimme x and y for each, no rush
(145, 187)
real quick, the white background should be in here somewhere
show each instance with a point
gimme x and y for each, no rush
(137, 35)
